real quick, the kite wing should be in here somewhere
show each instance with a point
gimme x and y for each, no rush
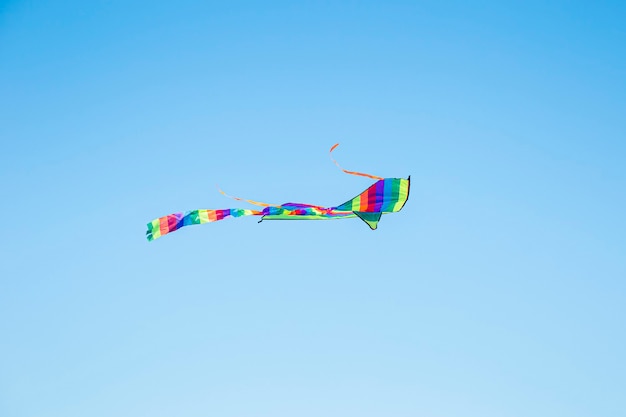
(385, 196)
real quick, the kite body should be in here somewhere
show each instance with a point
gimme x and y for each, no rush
(386, 195)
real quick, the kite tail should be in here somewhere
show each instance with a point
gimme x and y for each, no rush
(172, 222)
(360, 174)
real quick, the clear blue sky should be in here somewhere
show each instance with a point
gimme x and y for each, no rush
(499, 290)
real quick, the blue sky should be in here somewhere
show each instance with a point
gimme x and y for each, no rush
(497, 291)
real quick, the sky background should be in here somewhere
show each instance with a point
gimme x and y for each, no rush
(498, 291)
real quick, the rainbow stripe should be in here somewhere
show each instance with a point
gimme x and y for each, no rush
(384, 196)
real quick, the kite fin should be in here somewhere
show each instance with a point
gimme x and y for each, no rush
(371, 219)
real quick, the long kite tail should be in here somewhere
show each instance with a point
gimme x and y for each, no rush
(172, 222)
(360, 174)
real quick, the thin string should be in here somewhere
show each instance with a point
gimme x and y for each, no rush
(255, 203)
(360, 174)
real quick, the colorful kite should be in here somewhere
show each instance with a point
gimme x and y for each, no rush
(386, 195)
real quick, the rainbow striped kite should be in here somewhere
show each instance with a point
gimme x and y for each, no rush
(386, 195)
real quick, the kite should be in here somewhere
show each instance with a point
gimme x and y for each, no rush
(386, 195)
